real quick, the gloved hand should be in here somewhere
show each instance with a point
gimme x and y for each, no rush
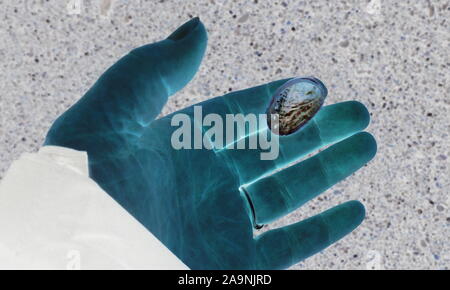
(191, 199)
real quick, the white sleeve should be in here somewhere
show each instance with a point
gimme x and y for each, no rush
(53, 216)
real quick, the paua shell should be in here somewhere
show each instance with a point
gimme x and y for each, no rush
(295, 103)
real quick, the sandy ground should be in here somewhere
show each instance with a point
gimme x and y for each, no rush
(393, 56)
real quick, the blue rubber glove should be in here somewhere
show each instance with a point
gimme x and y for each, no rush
(191, 199)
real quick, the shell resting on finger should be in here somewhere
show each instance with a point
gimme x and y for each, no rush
(294, 104)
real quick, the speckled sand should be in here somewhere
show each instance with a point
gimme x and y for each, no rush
(393, 56)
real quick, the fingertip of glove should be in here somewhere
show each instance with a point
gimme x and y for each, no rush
(360, 113)
(343, 219)
(367, 144)
(190, 27)
(358, 211)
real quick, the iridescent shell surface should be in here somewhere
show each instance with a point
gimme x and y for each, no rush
(295, 103)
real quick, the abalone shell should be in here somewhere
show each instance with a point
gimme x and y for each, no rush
(295, 103)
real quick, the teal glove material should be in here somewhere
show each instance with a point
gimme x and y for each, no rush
(191, 199)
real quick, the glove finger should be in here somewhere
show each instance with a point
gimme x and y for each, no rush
(332, 124)
(253, 100)
(133, 91)
(284, 247)
(281, 193)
